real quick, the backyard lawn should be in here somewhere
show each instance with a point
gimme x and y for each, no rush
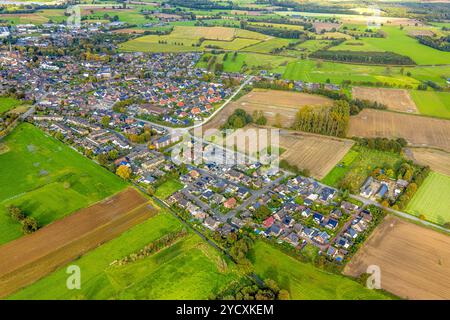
(167, 188)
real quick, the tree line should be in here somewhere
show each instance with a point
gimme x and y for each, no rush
(442, 43)
(363, 57)
(327, 120)
(29, 224)
(382, 144)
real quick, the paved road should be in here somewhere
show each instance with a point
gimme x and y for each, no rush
(250, 78)
(399, 213)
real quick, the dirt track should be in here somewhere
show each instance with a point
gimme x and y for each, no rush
(31, 257)
(414, 260)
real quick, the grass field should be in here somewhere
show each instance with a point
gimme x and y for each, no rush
(432, 103)
(50, 179)
(251, 62)
(8, 103)
(304, 281)
(167, 188)
(399, 42)
(340, 170)
(432, 200)
(188, 269)
(307, 70)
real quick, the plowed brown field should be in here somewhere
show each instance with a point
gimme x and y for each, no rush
(414, 261)
(417, 130)
(31, 257)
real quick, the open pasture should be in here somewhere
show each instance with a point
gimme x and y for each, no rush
(30, 258)
(50, 179)
(413, 260)
(417, 130)
(187, 269)
(394, 99)
(432, 200)
(303, 281)
(432, 103)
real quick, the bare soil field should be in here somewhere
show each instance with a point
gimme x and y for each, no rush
(414, 260)
(319, 154)
(279, 107)
(31, 257)
(325, 26)
(438, 161)
(394, 99)
(417, 130)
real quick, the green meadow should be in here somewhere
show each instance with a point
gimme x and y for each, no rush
(8, 103)
(341, 169)
(309, 70)
(432, 199)
(167, 188)
(432, 103)
(399, 42)
(187, 269)
(303, 280)
(47, 179)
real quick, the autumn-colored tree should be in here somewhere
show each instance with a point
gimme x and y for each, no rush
(124, 172)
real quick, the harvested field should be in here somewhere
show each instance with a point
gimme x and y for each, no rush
(318, 154)
(417, 130)
(438, 161)
(29, 258)
(421, 32)
(279, 107)
(325, 26)
(414, 261)
(394, 99)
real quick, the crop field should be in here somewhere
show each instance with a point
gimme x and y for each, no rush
(279, 107)
(438, 161)
(432, 200)
(399, 42)
(318, 154)
(358, 163)
(413, 260)
(183, 38)
(50, 179)
(417, 130)
(8, 103)
(187, 269)
(303, 280)
(432, 103)
(53, 246)
(394, 99)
